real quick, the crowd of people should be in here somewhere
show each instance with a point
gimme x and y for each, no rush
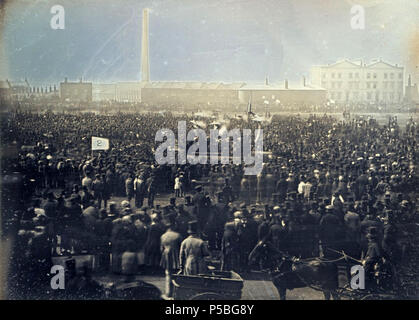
(327, 186)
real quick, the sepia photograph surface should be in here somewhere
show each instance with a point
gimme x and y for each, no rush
(209, 150)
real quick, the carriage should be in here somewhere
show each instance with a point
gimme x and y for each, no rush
(218, 285)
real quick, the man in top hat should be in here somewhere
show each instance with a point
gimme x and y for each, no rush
(170, 247)
(98, 189)
(151, 190)
(330, 232)
(201, 204)
(390, 235)
(172, 204)
(139, 190)
(372, 258)
(230, 249)
(192, 252)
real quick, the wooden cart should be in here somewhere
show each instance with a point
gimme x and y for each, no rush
(219, 285)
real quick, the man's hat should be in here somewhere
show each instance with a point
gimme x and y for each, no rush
(125, 204)
(329, 208)
(169, 220)
(193, 227)
(238, 214)
(372, 233)
(229, 227)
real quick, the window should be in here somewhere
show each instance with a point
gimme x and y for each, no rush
(369, 95)
(374, 85)
(391, 75)
(350, 75)
(356, 75)
(339, 75)
(392, 85)
(323, 75)
(374, 76)
(385, 75)
(368, 85)
(368, 75)
(333, 85)
(400, 75)
(333, 75)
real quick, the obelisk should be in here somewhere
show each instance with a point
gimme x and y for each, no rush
(145, 64)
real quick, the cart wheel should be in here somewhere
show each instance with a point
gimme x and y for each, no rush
(207, 296)
(377, 296)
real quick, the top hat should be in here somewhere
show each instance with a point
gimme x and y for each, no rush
(372, 233)
(193, 227)
(169, 220)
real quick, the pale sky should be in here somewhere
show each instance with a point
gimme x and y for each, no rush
(201, 40)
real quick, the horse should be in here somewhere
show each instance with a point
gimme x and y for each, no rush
(289, 272)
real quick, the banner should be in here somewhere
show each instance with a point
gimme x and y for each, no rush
(100, 143)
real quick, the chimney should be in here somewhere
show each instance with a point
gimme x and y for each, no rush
(65, 79)
(145, 65)
(286, 84)
(81, 80)
(266, 81)
(304, 81)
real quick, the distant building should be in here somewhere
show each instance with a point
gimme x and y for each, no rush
(19, 89)
(128, 91)
(353, 81)
(191, 93)
(283, 93)
(104, 92)
(412, 94)
(76, 91)
(4, 91)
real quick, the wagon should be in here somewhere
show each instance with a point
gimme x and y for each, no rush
(219, 285)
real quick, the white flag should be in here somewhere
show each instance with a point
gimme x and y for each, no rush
(100, 143)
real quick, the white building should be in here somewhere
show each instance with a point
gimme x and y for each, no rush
(354, 81)
(119, 91)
